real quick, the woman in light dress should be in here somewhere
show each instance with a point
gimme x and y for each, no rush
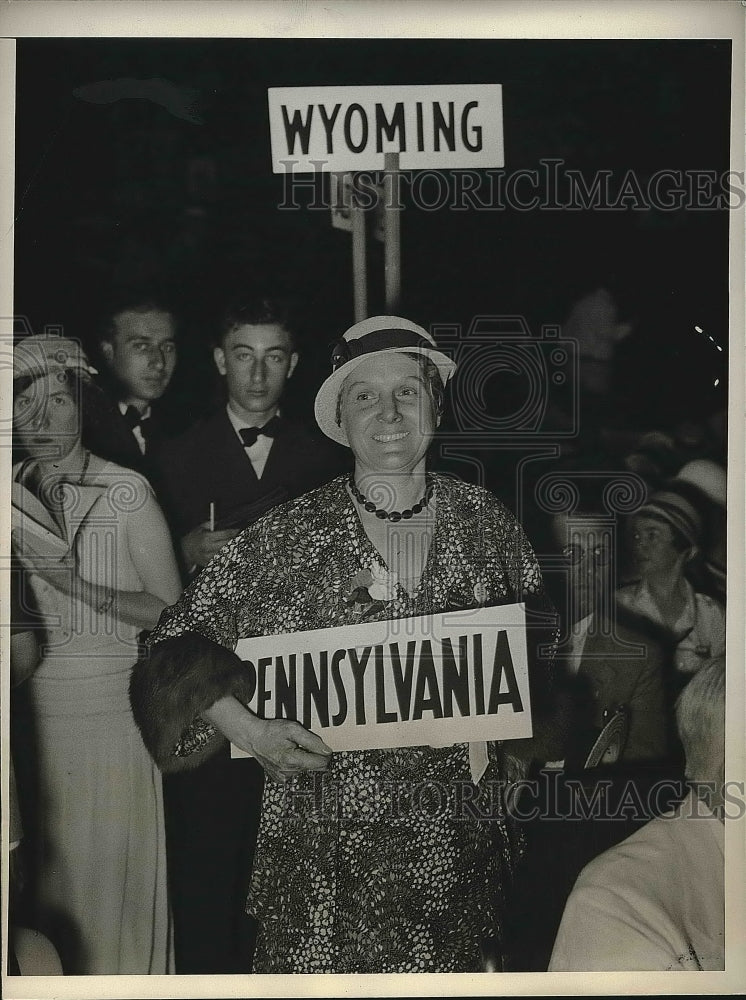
(98, 565)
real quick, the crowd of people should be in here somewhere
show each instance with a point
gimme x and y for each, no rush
(143, 554)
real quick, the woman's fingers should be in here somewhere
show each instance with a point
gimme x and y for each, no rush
(305, 760)
(308, 741)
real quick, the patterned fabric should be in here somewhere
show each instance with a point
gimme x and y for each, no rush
(392, 861)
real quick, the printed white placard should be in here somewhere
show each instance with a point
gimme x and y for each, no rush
(316, 129)
(457, 677)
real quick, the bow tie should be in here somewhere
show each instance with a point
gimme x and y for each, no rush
(271, 429)
(133, 418)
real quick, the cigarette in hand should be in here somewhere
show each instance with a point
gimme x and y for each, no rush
(212, 516)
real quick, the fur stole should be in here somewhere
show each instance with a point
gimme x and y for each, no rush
(174, 681)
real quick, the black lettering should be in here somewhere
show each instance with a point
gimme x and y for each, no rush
(286, 695)
(329, 124)
(442, 127)
(389, 128)
(476, 129)
(427, 677)
(297, 128)
(339, 687)
(478, 674)
(455, 677)
(403, 681)
(363, 128)
(381, 714)
(263, 695)
(358, 672)
(251, 671)
(316, 688)
(503, 666)
(420, 130)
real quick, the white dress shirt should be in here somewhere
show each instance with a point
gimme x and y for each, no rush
(258, 453)
(137, 431)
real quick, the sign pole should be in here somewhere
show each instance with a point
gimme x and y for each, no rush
(359, 257)
(391, 232)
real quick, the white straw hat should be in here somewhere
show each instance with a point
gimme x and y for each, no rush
(708, 476)
(372, 336)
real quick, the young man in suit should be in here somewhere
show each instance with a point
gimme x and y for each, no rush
(244, 459)
(138, 346)
(247, 456)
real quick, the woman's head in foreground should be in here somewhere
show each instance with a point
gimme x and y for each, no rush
(384, 398)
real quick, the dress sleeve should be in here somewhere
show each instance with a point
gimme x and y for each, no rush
(189, 660)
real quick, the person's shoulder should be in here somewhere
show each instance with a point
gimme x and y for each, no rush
(196, 437)
(471, 498)
(296, 525)
(709, 604)
(642, 857)
(309, 508)
(305, 435)
(628, 594)
(118, 480)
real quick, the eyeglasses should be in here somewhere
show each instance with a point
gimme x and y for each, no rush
(600, 555)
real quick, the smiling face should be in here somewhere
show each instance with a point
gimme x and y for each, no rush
(141, 354)
(257, 360)
(388, 413)
(46, 418)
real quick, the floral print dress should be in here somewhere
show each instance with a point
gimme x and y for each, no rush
(392, 860)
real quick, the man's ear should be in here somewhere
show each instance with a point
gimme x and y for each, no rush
(293, 363)
(218, 356)
(107, 350)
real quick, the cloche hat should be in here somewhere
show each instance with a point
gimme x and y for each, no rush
(43, 353)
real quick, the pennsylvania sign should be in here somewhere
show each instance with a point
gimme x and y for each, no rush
(452, 678)
(351, 128)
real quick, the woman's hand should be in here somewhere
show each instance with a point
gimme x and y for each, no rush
(283, 747)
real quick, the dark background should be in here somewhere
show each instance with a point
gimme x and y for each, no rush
(126, 192)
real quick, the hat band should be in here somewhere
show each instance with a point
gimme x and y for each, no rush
(378, 340)
(674, 517)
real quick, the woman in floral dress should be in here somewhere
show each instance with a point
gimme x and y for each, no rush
(367, 861)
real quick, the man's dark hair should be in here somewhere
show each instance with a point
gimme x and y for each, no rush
(256, 311)
(138, 301)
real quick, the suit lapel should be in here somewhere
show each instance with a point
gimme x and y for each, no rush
(233, 478)
(279, 458)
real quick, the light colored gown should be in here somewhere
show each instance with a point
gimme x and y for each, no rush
(102, 865)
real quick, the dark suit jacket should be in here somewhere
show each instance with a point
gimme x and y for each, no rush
(629, 665)
(209, 464)
(113, 439)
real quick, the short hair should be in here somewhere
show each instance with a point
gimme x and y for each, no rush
(151, 300)
(700, 719)
(433, 381)
(256, 311)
